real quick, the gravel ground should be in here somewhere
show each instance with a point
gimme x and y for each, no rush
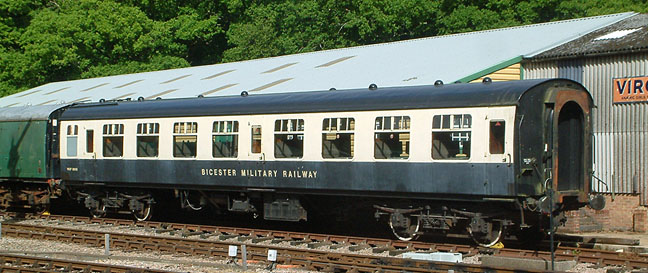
(143, 260)
(165, 262)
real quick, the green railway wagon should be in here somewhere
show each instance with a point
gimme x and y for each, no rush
(23, 150)
(28, 156)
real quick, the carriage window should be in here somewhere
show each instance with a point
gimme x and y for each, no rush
(392, 137)
(113, 140)
(256, 139)
(338, 137)
(72, 139)
(289, 138)
(497, 137)
(451, 136)
(225, 139)
(148, 139)
(185, 139)
(89, 141)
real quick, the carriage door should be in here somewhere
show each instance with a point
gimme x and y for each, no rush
(89, 149)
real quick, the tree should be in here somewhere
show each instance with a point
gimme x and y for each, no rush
(53, 40)
(89, 38)
(285, 27)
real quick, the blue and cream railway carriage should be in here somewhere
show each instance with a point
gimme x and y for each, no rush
(476, 157)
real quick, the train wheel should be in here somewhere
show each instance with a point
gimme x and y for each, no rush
(144, 214)
(99, 211)
(406, 234)
(491, 236)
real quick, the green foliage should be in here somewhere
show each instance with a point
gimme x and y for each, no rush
(74, 37)
(14, 16)
(54, 40)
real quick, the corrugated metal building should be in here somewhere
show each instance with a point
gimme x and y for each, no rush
(619, 51)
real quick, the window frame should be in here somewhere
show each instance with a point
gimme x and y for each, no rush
(329, 129)
(256, 139)
(293, 127)
(188, 129)
(491, 136)
(112, 131)
(90, 141)
(147, 130)
(72, 137)
(451, 127)
(222, 129)
(387, 125)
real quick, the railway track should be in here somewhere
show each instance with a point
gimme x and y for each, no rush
(21, 263)
(302, 248)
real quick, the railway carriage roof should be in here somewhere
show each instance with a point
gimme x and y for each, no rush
(391, 98)
(24, 113)
(411, 62)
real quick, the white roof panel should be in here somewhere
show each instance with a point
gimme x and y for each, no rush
(411, 62)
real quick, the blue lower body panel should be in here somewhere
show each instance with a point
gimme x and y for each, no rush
(492, 179)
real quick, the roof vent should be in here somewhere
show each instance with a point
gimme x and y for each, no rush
(201, 96)
(332, 89)
(102, 100)
(616, 34)
(158, 98)
(438, 83)
(244, 94)
(487, 80)
(140, 99)
(373, 86)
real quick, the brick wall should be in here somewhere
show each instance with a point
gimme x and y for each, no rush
(621, 214)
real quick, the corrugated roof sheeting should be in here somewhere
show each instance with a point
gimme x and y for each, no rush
(412, 62)
(629, 35)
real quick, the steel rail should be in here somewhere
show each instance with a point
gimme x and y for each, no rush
(377, 245)
(24, 263)
(309, 258)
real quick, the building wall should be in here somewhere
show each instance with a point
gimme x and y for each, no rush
(510, 73)
(620, 131)
(633, 218)
(621, 128)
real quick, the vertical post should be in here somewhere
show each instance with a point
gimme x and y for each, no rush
(107, 244)
(551, 229)
(0, 230)
(244, 256)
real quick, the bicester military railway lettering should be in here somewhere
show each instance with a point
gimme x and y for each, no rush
(260, 173)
